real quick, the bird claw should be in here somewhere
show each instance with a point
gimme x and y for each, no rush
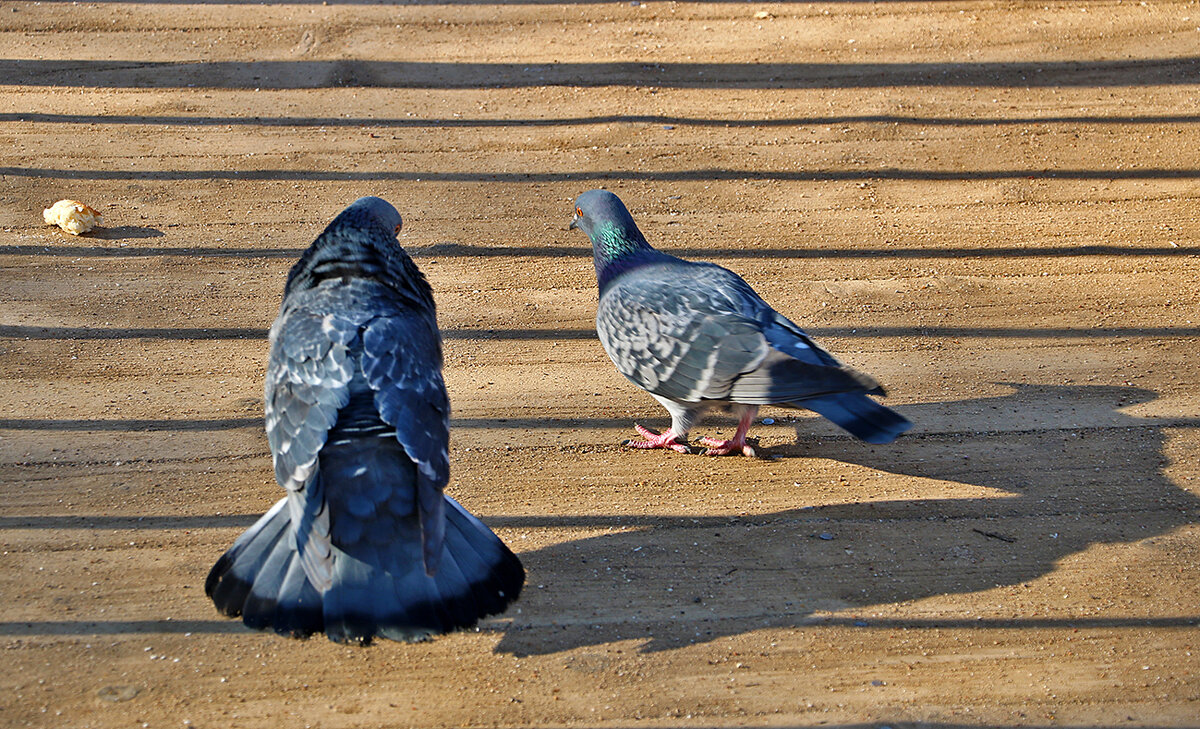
(654, 440)
(727, 447)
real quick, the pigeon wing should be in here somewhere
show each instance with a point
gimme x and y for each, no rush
(675, 336)
(306, 385)
(693, 332)
(402, 361)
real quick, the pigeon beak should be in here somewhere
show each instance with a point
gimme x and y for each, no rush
(574, 223)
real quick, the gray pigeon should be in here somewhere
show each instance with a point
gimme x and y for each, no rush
(695, 336)
(365, 543)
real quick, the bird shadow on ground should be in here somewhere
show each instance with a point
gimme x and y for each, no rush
(1047, 471)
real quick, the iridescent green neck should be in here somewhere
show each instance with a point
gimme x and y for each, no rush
(613, 240)
(617, 248)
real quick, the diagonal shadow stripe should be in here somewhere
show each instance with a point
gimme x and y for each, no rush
(702, 175)
(448, 3)
(156, 251)
(528, 422)
(10, 331)
(151, 425)
(653, 119)
(457, 250)
(123, 627)
(183, 333)
(440, 75)
(106, 522)
(131, 425)
(501, 521)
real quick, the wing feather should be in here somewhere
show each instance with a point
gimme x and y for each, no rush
(306, 385)
(690, 332)
(402, 361)
(677, 338)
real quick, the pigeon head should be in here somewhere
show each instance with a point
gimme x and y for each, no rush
(604, 218)
(616, 241)
(369, 213)
(359, 243)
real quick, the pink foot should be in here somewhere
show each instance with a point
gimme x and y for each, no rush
(654, 440)
(738, 443)
(727, 447)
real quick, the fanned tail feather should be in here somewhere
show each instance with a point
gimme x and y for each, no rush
(261, 579)
(477, 576)
(859, 415)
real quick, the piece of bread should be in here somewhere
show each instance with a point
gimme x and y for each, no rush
(72, 216)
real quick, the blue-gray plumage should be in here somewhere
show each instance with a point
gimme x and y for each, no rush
(695, 335)
(365, 543)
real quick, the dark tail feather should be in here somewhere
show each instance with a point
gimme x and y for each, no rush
(487, 565)
(298, 610)
(477, 576)
(861, 416)
(260, 579)
(356, 603)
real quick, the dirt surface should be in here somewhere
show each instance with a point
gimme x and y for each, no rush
(990, 206)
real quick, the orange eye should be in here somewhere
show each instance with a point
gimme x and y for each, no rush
(579, 212)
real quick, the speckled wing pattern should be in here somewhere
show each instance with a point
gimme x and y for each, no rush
(307, 381)
(673, 335)
(693, 331)
(402, 362)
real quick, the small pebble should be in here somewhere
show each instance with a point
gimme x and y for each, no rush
(117, 693)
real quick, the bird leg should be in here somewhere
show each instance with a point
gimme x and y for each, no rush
(738, 443)
(653, 440)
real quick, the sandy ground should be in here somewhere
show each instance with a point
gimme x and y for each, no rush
(991, 206)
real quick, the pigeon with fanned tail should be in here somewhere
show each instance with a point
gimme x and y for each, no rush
(364, 544)
(695, 336)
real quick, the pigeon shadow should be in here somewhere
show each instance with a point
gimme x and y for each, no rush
(1052, 469)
